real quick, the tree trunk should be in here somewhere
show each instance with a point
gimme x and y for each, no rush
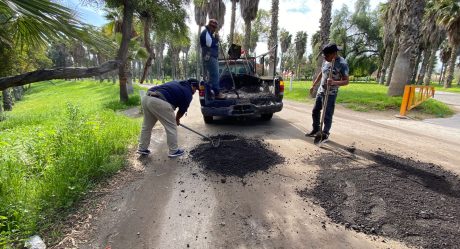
(429, 69)
(423, 68)
(58, 73)
(325, 27)
(18, 92)
(385, 64)
(148, 46)
(394, 54)
(122, 56)
(415, 65)
(232, 23)
(441, 75)
(129, 75)
(450, 68)
(2, 116)
(273, 37)
(198, 55)
(412, 10)
(7, 100)
(247, 36)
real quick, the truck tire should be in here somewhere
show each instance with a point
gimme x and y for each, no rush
(208, 119)
(266, 116)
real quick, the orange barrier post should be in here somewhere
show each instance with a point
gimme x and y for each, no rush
(413, 98)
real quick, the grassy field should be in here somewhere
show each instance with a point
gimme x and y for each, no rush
(366, 97)
(55, 145)
(454, 89)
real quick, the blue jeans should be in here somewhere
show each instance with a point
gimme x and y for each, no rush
(316, 113)
(211, 70)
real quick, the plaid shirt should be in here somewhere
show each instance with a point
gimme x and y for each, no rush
(340, 70)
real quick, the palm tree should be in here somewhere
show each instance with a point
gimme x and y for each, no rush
(449, 17)
(387, 13)
(232, 21)
(285, 39)
(300, 47)
(201, 12)
(325, 28)
(185, 50)
(412, 13)
(216, 10)
(249, 13)
(433, 35)
(273, 40)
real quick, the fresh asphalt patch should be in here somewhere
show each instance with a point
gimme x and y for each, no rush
(236, 156)
(400, 198)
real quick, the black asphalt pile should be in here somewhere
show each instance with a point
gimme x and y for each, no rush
(415, 202)
(236, 156)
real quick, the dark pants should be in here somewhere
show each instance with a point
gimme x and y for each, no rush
(211, 71)
(316, 113)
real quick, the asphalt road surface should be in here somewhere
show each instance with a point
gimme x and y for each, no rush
(175, 203)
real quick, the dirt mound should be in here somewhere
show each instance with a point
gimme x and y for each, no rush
(236, 156)
(415, 202)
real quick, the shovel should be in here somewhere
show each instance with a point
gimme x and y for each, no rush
(214, 143)
(320, 135)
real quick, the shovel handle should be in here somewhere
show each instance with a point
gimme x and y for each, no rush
(196, 132)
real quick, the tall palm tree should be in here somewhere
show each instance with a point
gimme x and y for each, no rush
(300, 47)
(201, 12)
(285, 39)
(232, 21)
(387, 14)
(249, 10)
(412, 13)
(325, 29)
(433, 35)
(216, 10)
(449, 17)
(273, 40)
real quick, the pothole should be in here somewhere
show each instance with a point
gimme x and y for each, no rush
(404, 199)
(236, 156)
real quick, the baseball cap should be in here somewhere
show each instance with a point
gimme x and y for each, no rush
(213, 22)
(331, 48)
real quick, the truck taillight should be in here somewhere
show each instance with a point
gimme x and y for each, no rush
(201, 90)
(281, 87)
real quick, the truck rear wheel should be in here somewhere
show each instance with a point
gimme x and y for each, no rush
(208, 119)
(267, 116)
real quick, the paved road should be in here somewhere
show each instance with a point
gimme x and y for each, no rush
(452, 99)
(177, 206)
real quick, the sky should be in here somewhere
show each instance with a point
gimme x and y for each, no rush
(294, 15)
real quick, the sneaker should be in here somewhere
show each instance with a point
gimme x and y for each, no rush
(312, 133)
(178, 153)
(143, 152)
(321, 138)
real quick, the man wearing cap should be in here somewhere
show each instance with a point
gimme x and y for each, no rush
(339, 78)
(158, 105)
(209, 41)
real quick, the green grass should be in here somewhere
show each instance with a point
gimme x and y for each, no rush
(55, 145)
(367, 97)
(454, 89)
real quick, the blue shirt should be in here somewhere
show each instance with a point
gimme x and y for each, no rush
(340, 70)
(177, 93)
(213, 50)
